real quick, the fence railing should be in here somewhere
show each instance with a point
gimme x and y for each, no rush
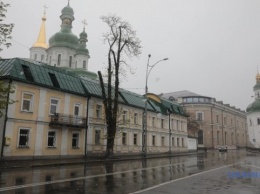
(59, 119)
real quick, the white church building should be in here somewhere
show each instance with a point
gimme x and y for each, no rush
(65, 49)
(253, 117)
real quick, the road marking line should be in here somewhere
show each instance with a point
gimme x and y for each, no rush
(175, 180)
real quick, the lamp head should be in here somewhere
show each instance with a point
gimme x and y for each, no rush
(165, 59)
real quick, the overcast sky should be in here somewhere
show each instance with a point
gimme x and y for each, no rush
(213, 46)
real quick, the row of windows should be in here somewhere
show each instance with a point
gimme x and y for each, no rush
(200, 117)
(180, 141)
(28, 102)
(196, 100)
(24, 139)
(257, 121)
(84, 63)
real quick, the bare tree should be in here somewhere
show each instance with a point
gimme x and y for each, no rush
(122, 42)
(5, 29)
(193, 126)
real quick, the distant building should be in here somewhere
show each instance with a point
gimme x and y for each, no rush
(253, 117)
(220, 124)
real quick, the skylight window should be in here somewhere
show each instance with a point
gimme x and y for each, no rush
(54, 80)
(27, 73)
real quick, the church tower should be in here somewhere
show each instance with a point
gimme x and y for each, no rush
(38, 50)
(82, 55)
(253, 117)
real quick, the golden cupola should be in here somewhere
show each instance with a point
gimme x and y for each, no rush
(41, 41)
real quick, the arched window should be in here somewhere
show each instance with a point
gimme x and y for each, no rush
(50, 60)
(84, 64)
(200, 137)
(250, 122)
(42, 57)
(59, 58)
(35, 56)
(70, 63)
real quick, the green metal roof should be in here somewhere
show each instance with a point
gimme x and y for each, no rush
(73, 82)
(135, 99)
(12, 68)
(173, 107)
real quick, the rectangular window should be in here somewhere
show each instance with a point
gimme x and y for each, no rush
(172, 141)
(182, 142)
(135, 118)
(177, 125)
(27, 102)
(77, 109)
(153, 121)
(24, 138)
(75, 140)
(135, 139)
(124, 138)
(171, 123)
(231, 122)
(51, 139)
(162, 139)
(162, 123)
(217, 119)
(54, 106)
(178, 142)
(199, 116)
(97, 137)
(225, 120)
(99, 111)
(124, 117)
(153, 140)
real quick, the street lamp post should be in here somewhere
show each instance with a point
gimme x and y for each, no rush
(144, 139)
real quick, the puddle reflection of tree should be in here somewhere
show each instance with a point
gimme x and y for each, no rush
(109, 183)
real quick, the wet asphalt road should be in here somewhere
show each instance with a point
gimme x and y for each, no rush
(209, 172)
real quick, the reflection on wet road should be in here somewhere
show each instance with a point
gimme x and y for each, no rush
(185, 172)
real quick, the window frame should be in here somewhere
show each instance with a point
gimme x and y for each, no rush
(97, 140)
(136, 118)
(77, 140)
(57, 106)
(135, 138)
(162, 141)
(199, 116)
(124, 138)
(78, 105)
(98, 111)
(54, 139)
(153, 140)
(27, 137)
(31, 102)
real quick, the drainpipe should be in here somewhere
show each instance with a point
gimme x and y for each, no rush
(212, 126)
(5, 121)
(222, 126)
(170, 132)
(87, 124)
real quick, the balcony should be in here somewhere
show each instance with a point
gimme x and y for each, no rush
(59, 120)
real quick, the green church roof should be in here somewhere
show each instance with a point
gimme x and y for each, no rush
(254, 107)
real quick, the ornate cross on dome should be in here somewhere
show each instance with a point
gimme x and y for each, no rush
(84, 22)
(45, 7)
